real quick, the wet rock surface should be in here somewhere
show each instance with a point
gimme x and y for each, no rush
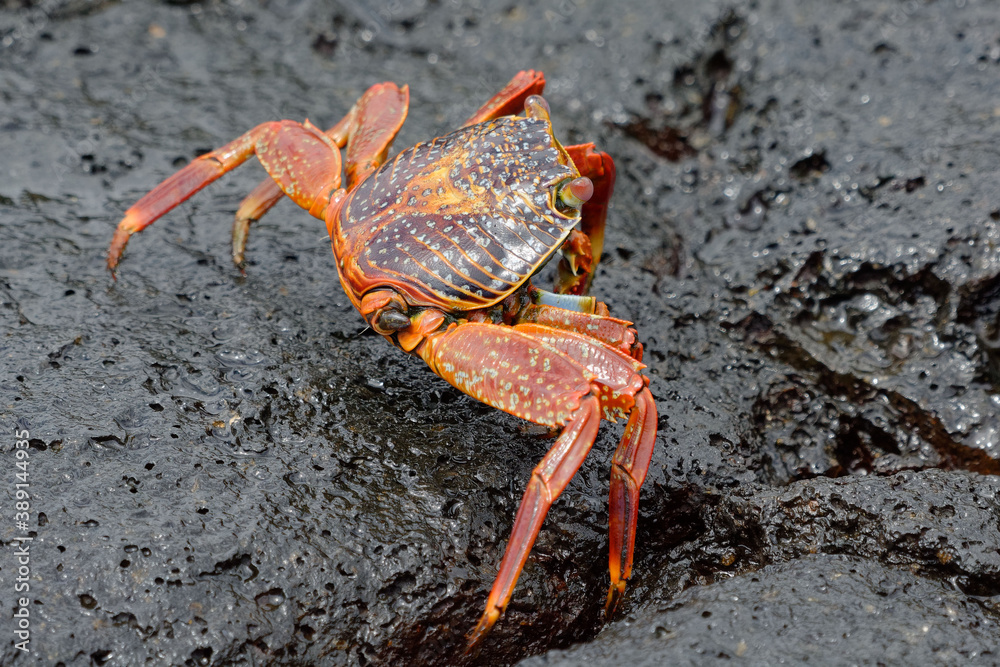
(888, 570)
(816, 610)
(229, 470)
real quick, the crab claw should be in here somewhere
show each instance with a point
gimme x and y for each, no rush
(578, 253)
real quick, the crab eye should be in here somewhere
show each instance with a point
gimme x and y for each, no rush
(577, 192)
(536, 107)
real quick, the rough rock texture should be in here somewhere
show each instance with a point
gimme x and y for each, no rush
(889, 570)
(813, 610)
(229, 470)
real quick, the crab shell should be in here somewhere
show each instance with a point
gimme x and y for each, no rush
(461, 221)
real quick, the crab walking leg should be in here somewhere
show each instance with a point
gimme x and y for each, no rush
(599, 168)
(510, 100)
(628, 471)
(253, 207)
(522, 375)
(548, 480)
(267, 193)
(367, 130)
(622, 390)
(302, 160)
(379, 115)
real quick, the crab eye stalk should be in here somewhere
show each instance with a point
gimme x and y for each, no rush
(576, 193)
(536, 107)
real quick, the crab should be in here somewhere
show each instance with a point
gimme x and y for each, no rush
(436, 249)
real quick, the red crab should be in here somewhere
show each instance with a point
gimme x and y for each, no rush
(435, 249)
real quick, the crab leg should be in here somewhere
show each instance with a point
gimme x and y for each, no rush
(367, 130)
(302, 160)
(267, 193)
(510, 100)
(599, 168)
(554, 377)
(628, 471)
(622, 391)
(547, 482)
(519, 374)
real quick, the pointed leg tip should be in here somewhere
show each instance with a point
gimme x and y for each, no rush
(486, 622)
(115, 250)
(241, 232)
(615, 593)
